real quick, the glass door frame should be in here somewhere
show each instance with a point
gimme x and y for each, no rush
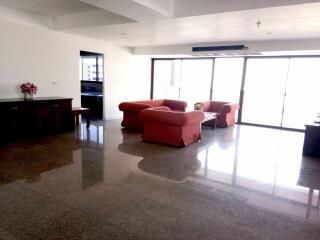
(242, 93)
(181, 59)
(283, 91)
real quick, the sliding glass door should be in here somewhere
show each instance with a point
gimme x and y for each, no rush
(281, 92)
(302, 95)
(227, 79)
(264, 91)
(278, 91)
(196, 77)
(166, 79)
(187, 80)
(191, 80)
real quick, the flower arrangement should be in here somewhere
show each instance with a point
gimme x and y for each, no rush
(29, 88)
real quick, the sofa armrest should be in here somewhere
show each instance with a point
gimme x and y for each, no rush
(176, 105)
(133, 107)
(229, 107)
(172, 117)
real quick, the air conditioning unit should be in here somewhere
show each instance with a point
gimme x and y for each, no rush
(223, 51)
(219, 48)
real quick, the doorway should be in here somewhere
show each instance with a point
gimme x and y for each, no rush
(92, 78)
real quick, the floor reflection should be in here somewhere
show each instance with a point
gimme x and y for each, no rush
(28, 162)
(265, 163)
(92, 167)
(56, 158)
(93, 182)
(93, 134)
(162, 161)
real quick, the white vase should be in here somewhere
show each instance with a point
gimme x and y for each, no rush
(28, 96)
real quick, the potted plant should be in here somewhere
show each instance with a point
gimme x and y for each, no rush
(29, 90)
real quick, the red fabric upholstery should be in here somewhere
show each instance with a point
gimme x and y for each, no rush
(131, 110)
(162, 108)
(176, 105)
(171, 127)
(226, 111)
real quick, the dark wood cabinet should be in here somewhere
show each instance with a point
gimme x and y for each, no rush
(21, 118)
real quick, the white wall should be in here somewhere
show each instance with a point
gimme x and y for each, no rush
(51, 60)
(128, 78)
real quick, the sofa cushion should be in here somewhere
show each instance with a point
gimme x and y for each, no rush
(172, 117)
(162, 108)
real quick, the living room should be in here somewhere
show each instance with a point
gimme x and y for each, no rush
(164, 173)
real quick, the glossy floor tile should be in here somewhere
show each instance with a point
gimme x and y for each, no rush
(242, 182)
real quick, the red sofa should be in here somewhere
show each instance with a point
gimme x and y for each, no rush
(171, 127)
(226, 110)
(131, 110)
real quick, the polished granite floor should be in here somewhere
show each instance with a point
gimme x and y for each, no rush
(105, 183)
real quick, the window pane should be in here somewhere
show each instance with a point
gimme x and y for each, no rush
(264, 91)
(100, 69)
(195, 81)
(166, 79)
(88, 68)
(227, 79)
(302, 96)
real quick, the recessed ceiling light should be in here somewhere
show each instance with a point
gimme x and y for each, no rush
(123, 34)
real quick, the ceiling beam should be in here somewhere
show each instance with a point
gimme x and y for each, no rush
(88, 19)
(164, 7)
(138, 10)
(25, 17)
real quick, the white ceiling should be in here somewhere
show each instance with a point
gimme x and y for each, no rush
(52, 8)
(158, 22)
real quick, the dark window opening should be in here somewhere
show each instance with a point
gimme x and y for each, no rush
(92, 77)
(91, 66)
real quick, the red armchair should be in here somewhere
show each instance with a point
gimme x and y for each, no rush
(131, 110)
(226, 110)
(171, 127)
